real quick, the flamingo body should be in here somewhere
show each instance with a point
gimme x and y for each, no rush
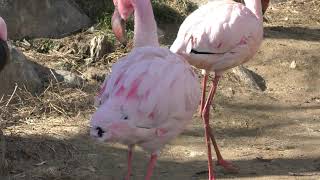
(155, 90)
(228, 32)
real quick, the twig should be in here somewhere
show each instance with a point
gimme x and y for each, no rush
(1, 98)
(14, 91)
(54, 76)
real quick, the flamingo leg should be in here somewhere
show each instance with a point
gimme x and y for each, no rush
(225, 164)
(204, 87)
(130, 148)
(151, 165)
(205, 117)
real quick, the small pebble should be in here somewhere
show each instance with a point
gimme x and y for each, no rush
(293, 65)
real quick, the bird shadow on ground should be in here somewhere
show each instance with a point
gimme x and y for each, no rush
(44, 157)
(253, 120)
(296, 33)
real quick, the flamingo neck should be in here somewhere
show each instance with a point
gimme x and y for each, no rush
(255, 7)
(3, 30)
(145, 28)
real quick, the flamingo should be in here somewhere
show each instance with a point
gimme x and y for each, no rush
(216, 37)
(4, 57)
(150, 95)
(4, 51)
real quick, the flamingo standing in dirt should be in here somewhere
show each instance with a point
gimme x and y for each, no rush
(151, 94)
(4, 51)
(216, 37)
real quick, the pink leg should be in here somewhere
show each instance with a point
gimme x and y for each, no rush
(151, 165)
(204, 87)
(225, 164)
(205, 117)
(129, 162)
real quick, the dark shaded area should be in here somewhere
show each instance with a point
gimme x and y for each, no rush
(42, 157)
(95, 8)
(166, 14)
(297, 33)
(101, 11)
(256, 120)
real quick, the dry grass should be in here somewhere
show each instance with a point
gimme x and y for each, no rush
(22, 109)
(56, 100)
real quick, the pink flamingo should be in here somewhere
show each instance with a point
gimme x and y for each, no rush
(4, 51)
(151, 94)
(216, 37)
(4, 57)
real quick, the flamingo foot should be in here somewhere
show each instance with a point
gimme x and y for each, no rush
(228, 166)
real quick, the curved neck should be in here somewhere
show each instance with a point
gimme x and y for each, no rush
(3, 30)
(255, 7)
(145, 26)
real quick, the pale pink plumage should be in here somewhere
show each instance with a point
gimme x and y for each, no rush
(156, 90)
(218, 36)
(230, 31)
(150, 95)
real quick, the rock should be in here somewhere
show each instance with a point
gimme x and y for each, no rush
(293, 65)
(42, 18)
(250, 78)
(99, 46)
(69, 78)
(229, 92)
(19, 71)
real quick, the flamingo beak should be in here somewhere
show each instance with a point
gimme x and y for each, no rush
(119, 27)
(4, 54)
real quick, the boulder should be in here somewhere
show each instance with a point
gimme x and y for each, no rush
(250, 78)
(69, 78)
(42, 18)
(20, 71)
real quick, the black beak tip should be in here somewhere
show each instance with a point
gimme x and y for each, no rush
(100, 131)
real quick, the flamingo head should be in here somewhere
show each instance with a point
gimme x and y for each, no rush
(123, 10)
(4, 50)
(114, 122)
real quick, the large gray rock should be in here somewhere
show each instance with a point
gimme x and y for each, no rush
(42, 18)
(250, 78)
(19, 71)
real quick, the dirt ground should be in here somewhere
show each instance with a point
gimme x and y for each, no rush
(273, 134)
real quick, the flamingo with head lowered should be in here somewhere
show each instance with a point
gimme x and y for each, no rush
(216, 37)
(150, 95)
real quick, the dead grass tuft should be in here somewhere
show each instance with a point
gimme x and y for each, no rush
(56, 100)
